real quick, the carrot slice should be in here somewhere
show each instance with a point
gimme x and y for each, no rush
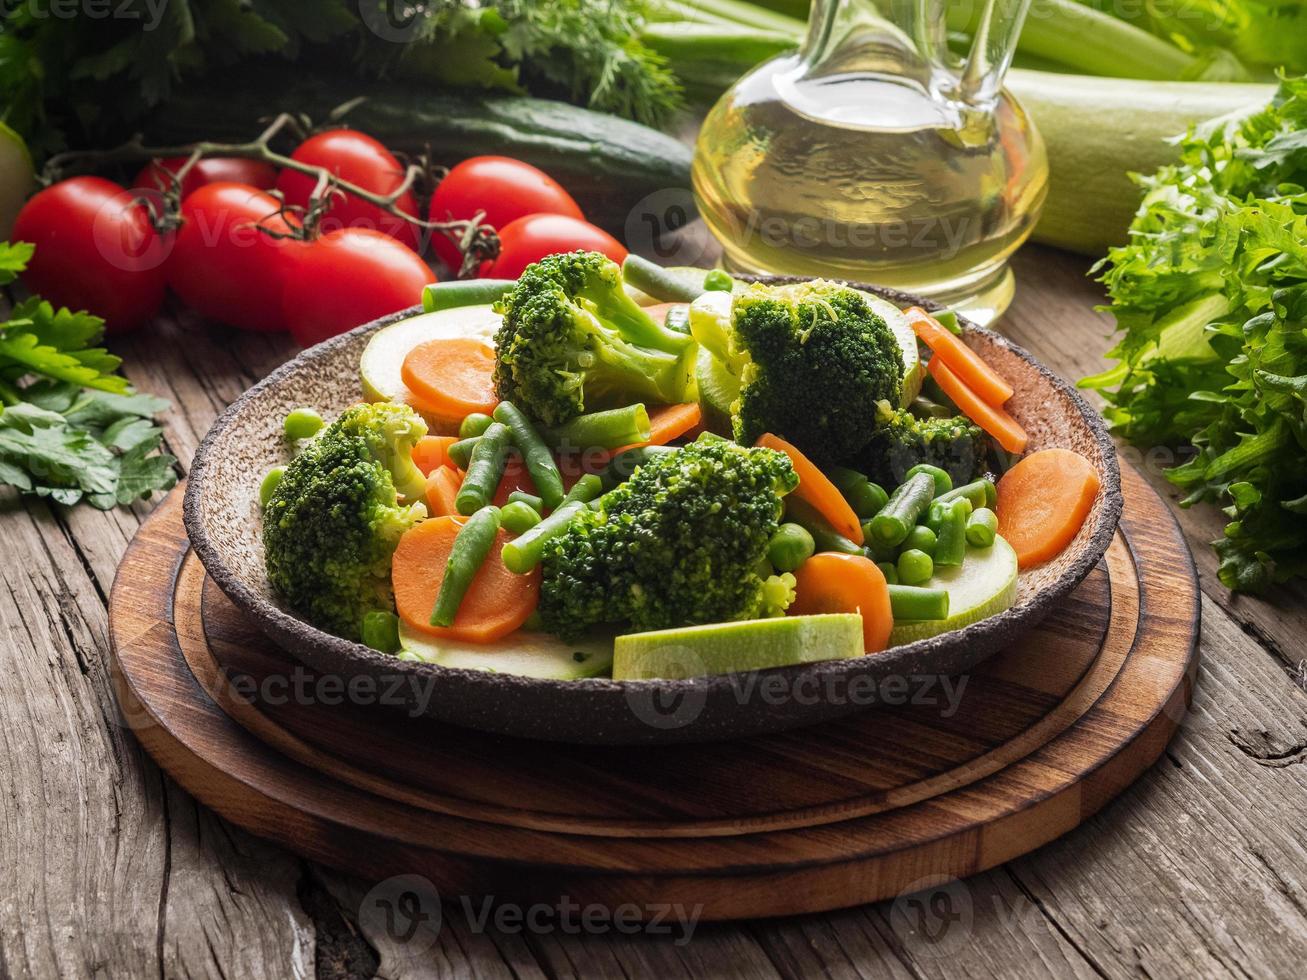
(432, 452)
(961, 359)
(1042, 502)
(442, 489)
(817, 490)
(831, 582)
(451, 378)
(515, 478)
(497, 601)
(994, 420)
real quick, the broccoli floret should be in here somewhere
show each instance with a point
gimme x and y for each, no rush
(682, 542)
(811, 360)
(901, 440)
(572, 340)
(331, 525)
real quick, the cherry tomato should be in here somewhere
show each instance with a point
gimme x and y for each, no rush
(154, 175)
(348, 277)
(531, 238)
(223, 266)
(503, 188)
(96, 250)
(359, 159)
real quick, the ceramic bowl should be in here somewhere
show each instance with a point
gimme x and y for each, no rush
(223, 522)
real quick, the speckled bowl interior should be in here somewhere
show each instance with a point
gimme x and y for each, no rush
(223, 521)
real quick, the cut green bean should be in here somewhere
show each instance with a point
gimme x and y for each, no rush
(981, 493)
(900, 514)
(530, 499)
(790, 546)
(912, 602)
(890, 571)
(922, 538)
(537, 456)
(610, 429)
(471, 546)
(380, 630)
(484, 470)
(271, 480)
(474, 424)
(943, 482)
(866, 498)
(585, 489)
(621, 466)
(518, 517)
(951, 547)
(824, 537)
(718, 281)
(915, 567)
(948, 319)
(925, 408)
(524, 553)
(653, 280)
(982, 528)
(464, 292)
(302, 423)
(460, 453)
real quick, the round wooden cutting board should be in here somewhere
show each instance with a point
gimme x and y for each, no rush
(944, 777)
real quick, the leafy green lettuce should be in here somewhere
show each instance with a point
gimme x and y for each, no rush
(1210, 296)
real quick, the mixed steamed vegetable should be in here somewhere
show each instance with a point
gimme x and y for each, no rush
(537, 486)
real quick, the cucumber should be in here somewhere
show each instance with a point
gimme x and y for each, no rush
(984, 585)
(17, 178)
(726, 648)
(608, 164)
(523, 653)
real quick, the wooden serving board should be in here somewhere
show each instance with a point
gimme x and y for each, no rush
(943, 778)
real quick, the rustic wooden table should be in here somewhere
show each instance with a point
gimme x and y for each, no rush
(109, 869)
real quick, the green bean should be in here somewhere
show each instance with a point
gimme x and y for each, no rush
(925, 408)
(981, 493)
(609, 429)
(948, 319)
(519, 517)
(535, 454)
(982, 528)
(866, 498)
(718, 280)
(913, 602)
(952, 545)
(585, 489)
(464, 292)
(524, 553)
(621, 466)
(484, 470)
(460, 453)
(653, 280)
(530, 499)
(901, 512)
(471, 546)
(790, 546)
(943, 482)
(302, 423)
(915, 567)
(922, 538)
(890, 571)
(268, 487)
(824, 537)
(380, 630)
(474, 424)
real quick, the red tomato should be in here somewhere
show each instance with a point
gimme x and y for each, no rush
(531, 238)
(503, 188)
(223, 266)
(359, 159)
(348, 277)
(256, 173)
(95, 250)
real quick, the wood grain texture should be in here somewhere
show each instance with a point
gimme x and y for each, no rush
(1198, 870)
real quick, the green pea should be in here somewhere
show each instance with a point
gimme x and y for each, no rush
(890, 571)
(790, 546)
(380, 630)
(268, 487)
(718, 280)
(915, 567)
(473, 425)
(920, 538)
(302, 423)
(982, 528)
(518, 516)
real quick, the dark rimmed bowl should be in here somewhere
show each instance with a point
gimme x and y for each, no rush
(223, 522)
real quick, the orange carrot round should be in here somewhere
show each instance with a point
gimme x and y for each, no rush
(1042, 502)
(497, 602)
(442, 490)
(815, 489)
(451, 378)
(961, 359)
(831, 582)
(432, 452)
(994, 420)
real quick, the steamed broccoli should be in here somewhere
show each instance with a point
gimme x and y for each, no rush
(572, 340)
(901, 440)
(682, 542)
(331, 525)
(811, 362)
